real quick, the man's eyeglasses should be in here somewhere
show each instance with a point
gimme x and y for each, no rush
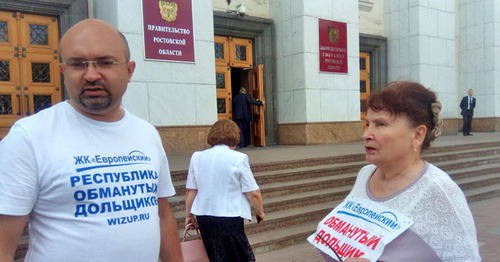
(79, 65)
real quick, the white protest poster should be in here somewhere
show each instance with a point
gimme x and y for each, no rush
(358, 228)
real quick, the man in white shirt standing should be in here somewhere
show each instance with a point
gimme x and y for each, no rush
(91, 178)
(467, 105)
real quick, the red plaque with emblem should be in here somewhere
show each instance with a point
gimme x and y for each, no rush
(332, 46)
(168, 30)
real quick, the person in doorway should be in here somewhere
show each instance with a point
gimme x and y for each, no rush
(243, 114)
(401, 122)
(91, 188)
(467, 105)
(220, 188)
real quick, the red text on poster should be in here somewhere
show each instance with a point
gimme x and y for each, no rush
(358, 228)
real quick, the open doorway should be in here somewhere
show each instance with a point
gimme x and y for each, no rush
(234, 69)
(248, 78)
(239, 78)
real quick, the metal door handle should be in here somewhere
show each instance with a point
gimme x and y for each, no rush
(19, 103)
(27, 104)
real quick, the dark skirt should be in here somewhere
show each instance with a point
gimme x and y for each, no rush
(224, 239)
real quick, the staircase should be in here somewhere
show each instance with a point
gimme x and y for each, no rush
(298, 194)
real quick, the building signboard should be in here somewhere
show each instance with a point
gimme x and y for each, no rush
(332, 46)
(168, 30)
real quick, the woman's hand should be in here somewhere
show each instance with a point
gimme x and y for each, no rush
(191, 223)
(260, 217)
(190, 218)
(256, 200)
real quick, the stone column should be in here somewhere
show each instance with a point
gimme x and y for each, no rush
(315, 107)
(421, 47)
(479, 56)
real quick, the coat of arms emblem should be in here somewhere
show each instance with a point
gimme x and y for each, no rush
(333, 34)
(168, 10)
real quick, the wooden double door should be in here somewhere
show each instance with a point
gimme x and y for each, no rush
(29, 56)
(234, 69)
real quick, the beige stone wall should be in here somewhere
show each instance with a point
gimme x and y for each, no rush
(342, 132)
(450, 127)
(371, 17)
(255, 8)
(319, 133)
(184, 139)
(483, 124)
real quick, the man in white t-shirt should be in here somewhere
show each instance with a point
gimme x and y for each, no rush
(91, 178)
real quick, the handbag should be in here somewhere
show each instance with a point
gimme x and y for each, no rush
(192, 248)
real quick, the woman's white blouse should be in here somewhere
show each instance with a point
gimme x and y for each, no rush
(222, 177)
(442, 221)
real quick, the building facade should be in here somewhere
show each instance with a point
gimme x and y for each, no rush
(272, 47)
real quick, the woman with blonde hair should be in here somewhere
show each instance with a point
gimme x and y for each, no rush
(220, 188)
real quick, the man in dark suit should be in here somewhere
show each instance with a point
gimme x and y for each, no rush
(243, 114)
(467, 105)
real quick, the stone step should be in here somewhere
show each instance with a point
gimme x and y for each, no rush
(305, 198)
(280, 188)
(323, 169)
(301, 214)
(179, 175)
(466, 184)
(488, 182)
(295, 197)
(474, 171)
(332, 174)
(310, 184)
(275, 176)
(464, 154)
(433, 158)
(359, 157)
(280, 238)
(449, 166)
(302, 179)
(308, 213)
(287, 202)
(330, 170)
(278, 235)
(482, 193)
(478, 181)
(452, 148)
(292, 164)
(291, 217)
(299, 174)
(177, 203)
(308, 162)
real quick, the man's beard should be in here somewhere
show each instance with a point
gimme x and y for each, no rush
(95, 104)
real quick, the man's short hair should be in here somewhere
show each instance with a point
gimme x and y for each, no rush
(127, 48)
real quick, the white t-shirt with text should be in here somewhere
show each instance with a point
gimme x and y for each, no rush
(90, 187)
